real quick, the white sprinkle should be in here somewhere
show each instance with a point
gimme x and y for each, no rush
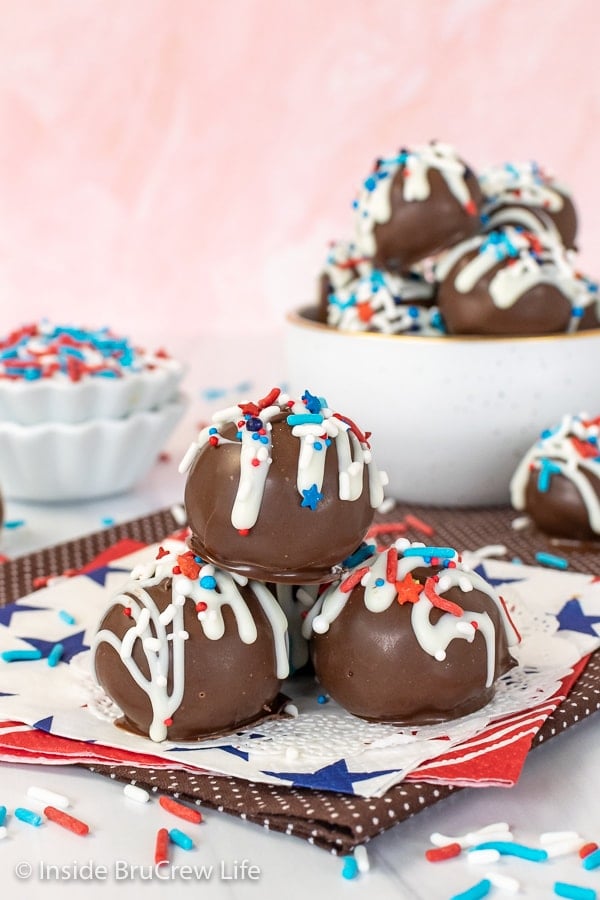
(551, 837)
(503, 882)
(320, 625)
(564, 847)
(440, 655)
(384, 478)
(291, 709)
(520, 523)
(386, 507)
(49, 798)
(2, 832)
(483, 857)
(362, 858)
(178, 513)
(167, 615)
(136, 793)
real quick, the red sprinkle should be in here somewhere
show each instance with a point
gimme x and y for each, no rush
(201, 606)
(41, 581)
(437, 854)
(391, 569)
(180, 810)
(168, 722)
(256, 462)
(127, 611)
(161, 552)
(66, 821)
(161, 847)
(386, 528)
(419, 524)
(352, 580)
(588, 848)
(213, 440)
(244, 531)
(440, 602)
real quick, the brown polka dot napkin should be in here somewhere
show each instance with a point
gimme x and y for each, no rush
(336, 822)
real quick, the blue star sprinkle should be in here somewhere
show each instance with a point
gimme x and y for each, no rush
(311, 497)
(334, 777)
(72, 645)
(7, 612)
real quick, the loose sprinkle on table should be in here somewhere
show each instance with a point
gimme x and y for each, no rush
(181, 839)
(551, 560)
(14, 523)
(49, 798)
(476, 892)
(447, 851)
(133, 792)
(28, 816)
(59, 817)
(573, 891)
(510, 848)
(20, 655)
(161, 847)
(350, 868)
(181, 810)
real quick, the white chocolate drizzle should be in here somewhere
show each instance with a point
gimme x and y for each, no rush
(380, 591)
(521, 183)
(526, 260)
(556, 452)
(373, 206)
(164, 647)
(317, 433)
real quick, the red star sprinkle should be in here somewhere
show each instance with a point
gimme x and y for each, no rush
(409, 589)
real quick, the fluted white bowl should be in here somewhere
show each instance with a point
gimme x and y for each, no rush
(58, 462)
(450, 416)
(58, 399)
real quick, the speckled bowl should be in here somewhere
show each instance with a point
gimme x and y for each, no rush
(59, 462)
(451, 417)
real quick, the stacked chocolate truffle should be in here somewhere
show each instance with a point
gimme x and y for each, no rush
(279, 492)
(439, 250)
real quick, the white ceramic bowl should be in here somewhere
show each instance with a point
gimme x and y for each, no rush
(58, 399)
(450, 416)
(61, 462)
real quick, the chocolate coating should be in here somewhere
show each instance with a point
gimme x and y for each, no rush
(541, 310)
(289, 542)
(228, 683)
(564, 220)
(560, 511)
(418, 229)
(372, 664)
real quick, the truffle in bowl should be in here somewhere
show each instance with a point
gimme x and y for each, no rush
(453, 415)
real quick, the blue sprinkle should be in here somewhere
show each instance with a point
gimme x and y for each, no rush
(379, 582)
(322, 698)
(253, 423)
(355, 204)
(213, 431)
(14, 523)
(547, 470)
(592, 860)
(549, 559)
(108, 521)
(66, 617)
(305, 419)
(263, 439)
(481, 889)
(55, 655)
(312, 403)
(2, 815)
(428, 552)
(350, 868)
(318, 445)
(208, 582)
(573, 891)
(238, 435)
(27, 815)
(180, 838)
(19, 655)
(578, 311)
(198, 559)
(364, 552)
(370, 183)
(255, 436)
(510, 848)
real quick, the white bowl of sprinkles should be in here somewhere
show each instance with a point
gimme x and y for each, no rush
(60, 373)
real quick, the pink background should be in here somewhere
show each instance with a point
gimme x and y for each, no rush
(175, 168)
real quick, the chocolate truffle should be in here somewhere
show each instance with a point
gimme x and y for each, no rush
(280, 490)
(525, 194)
(415, 204)
(385, 302)
(411, 637)
(344, 264)
(557, 483)
(188, 651)
(512, 282)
